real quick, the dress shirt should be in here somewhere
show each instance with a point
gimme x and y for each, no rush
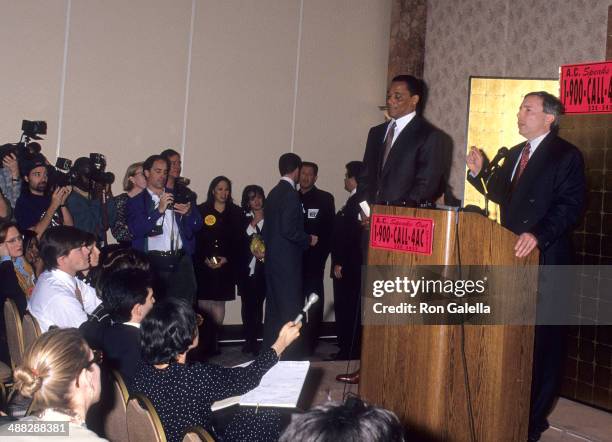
(400, 124)
(289, 180)
(534, 145)
(170, 239)
(132, 324)
(54, 300)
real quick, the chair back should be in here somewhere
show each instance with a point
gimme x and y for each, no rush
(197, 434)
(143, 423)
(14, 333)
(31, 330)
(115, 421)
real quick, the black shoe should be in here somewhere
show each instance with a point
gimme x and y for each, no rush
(536, 433)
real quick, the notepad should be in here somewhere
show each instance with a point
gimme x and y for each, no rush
(280, 387)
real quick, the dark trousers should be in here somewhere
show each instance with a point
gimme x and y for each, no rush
(311, 328)
(347, 308)
(252, 294)
(550, 346)
(175, 277)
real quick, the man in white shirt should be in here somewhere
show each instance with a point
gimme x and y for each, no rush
(59, 298)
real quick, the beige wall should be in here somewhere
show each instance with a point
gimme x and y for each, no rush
(230, 83)
(506, 38)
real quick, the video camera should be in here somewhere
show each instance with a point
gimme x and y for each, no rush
(182, 193)
(24, 149)
(97, 171)
(62, 174)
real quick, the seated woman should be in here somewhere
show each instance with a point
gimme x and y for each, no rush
(31, 249)
(16, 273)
(182, 393)
(60, 373)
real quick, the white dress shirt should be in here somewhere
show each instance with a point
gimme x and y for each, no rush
(400, 124)
(534, 145)
(170, 239)
(289, 180)
(54, 300)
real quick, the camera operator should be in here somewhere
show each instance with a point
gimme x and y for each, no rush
(91, 203)
(35, 209)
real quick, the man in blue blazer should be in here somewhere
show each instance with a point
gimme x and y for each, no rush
(285, 242)
(165, 231)
(540, 188)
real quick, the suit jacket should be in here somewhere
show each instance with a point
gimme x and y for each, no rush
(548, 199)
(414, 170)
(142, 217)
(346, 244)
(319, 211)
(284, 234)
(121, 347)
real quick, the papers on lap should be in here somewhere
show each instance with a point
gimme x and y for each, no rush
(279, 387)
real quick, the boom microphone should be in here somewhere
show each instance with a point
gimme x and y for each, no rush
(311, 300)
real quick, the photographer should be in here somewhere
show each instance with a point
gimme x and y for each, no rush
(35, 209)
(164, 228)
(91, 203)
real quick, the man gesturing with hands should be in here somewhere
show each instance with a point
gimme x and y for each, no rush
(540, 188)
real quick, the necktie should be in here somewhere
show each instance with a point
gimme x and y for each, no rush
(522, 163)
(77, 293)
(388, 144)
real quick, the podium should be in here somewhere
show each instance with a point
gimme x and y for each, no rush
(422, 372)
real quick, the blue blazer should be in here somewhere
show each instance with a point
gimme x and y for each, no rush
(142, 218)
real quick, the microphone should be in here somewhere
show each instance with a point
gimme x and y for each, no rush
(311, 300)
(501, 154)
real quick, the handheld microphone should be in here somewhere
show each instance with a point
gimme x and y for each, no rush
(311, 300)
(501, 154)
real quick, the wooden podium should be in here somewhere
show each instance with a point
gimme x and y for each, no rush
(418, 371)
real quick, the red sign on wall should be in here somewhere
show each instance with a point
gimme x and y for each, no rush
(586, 88)
(402, 233)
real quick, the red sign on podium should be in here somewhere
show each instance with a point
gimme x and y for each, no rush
(586, 88)
(402, 233)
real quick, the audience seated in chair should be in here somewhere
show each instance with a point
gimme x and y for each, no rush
(182, 393)
(60, 373)
(59, 298)
(128, 297)
(117, 259)
(352, 421)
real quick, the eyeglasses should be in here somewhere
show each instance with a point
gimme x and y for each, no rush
(14, 240)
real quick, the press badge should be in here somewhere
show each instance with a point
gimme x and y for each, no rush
(312, 213)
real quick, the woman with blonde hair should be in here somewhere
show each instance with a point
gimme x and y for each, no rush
(59, 372)
(134, 182)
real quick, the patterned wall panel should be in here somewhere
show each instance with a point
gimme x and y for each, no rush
(407, 40)
(501, 38)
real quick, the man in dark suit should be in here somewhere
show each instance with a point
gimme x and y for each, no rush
(346, 267)
(318, 208)
(540, 188)
(128, 296)
(404, 157)
(285, 242)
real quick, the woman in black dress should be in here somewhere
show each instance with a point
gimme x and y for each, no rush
(182, 393)
(252, 280)
(217, 254)
(134, 182)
